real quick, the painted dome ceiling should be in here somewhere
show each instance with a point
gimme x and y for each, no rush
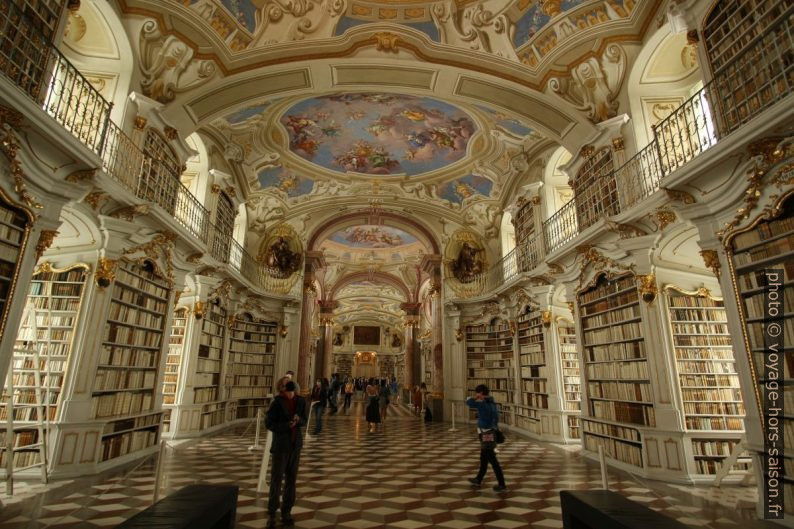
(377, 133)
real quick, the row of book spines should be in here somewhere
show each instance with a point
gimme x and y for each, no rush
(120, 356)
(535, 400)
(30, 414)
(46, 334)
(127, 443)
(755, 332)
(708, 381)
(704, 353)
(683, 301)
(625, 331)
(21, 459)
(619, 301)
(534, 386)
(52, 381)
(699, 315)
(774, 248)
(607, 288)
(492, 383)
(11, 235)
(533, 359)
(614, 449)
(612, 430)
(139, 299)
(615, 352)
(151, 285)
(755, 279)
(612, 317)
(245, 337)
(208, 365)
(497, 342)
(624, 370)
(713, 466)
(237, 347)
(122, 314)
(714, 408)
(135, 423)
(50, 320)
(735, 424)
(700, 328)
(236, 393)
(715, 367)
(627, 391)
(110, 379)
(59, 304)
(119, 334)
(628, 412)
(489, 364)
(487, 328)
(573, 404)
(254, 328)
(203, 395)
(39, 288)
(121, 403)
(713, 447)
(711, 395)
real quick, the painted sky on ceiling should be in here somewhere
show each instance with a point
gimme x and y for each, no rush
(534, 19)
(458, 190)
(285, 180)
(371, 236)
(507, 122)
(243, 114)
(379, 134)
(428, 27)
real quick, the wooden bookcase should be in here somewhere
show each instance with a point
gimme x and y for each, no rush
(44, 14)
(768, 244)
(534, 372)
(249, 372)
(616, 369)
(207, 388)
(124, 386)
(712, 402)
(490, 361)
(571, 377)
(173, 363)
(53, 301)
(14, 229)
(595, 189)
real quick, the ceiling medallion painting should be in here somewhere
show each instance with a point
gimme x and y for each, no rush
(370, 236)
(458, 190)
(378, 134)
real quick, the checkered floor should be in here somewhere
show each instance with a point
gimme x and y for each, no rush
(408, 475)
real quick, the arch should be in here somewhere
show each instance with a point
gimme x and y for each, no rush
(368, 216)
(377, 277)
(556, 190)
(507, 233)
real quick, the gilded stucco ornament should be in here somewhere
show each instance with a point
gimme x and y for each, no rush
(11, 120)
(105, 272)
(129, 213)
(458, 335)
(45, 241)
(159, 249)
(591, 256)
(712, 260)
(83, 175)
(545, 318)
(648, 288)
(680, 196)
(625, 231)
(594, 84)
(385, 41)
(94, 199)
(663, 217)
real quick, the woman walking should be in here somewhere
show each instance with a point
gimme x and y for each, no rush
(319, 399)
(373, 408)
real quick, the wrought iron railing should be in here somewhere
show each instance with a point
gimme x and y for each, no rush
(561, 227)
(30, 61)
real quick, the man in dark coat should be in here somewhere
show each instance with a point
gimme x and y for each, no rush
(285, 418)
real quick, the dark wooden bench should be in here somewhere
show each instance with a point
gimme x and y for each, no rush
(604, 509)
(199, 506)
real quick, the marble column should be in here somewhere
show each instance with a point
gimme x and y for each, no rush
(314, 261)
(411, 324)
(327, 324)
(432, 265)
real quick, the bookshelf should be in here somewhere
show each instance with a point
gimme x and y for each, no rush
(525, 230)
(532, 360)
(249, 373)
(489, 359)
(733, 24)
(616, 369)
(571, 377)
(124, 393)
(45, 14)
(595, 189)
(207, 388)
(707, 377)
(13, 236)
(173, 362)
(768, 244)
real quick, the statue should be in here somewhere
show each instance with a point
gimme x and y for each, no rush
(467, 265)
(396, 341)
(338, 339)
(282, 261)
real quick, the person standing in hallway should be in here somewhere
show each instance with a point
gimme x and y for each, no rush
(285, 417)
(349, 386)
(487, 423)
(318, 401)
(383, 394)
(395, 390)
(333, 394)
(373, 408)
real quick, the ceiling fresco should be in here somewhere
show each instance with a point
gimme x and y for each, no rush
(427, 27)
(244, 114)
(286, 181)
(378, 134)
(371, 237)
(507, 122)
(460, 189)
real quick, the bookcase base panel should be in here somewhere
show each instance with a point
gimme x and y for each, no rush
(551, 427)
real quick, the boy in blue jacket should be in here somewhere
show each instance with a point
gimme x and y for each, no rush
(487, 423)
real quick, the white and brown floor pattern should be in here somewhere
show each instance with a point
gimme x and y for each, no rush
(409, 475)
